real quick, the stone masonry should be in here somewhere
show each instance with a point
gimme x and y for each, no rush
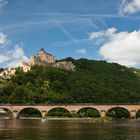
(45, 59)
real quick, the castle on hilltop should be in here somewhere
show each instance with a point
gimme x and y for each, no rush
(42, 58)
(45, 59)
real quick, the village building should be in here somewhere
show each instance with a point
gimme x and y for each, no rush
(41, 59)
(7, 73)
(25, 66)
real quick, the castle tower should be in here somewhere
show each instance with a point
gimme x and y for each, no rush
(33, 60)
(46, 57)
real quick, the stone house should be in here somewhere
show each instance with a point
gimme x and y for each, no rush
(7, 73)
(25, 66)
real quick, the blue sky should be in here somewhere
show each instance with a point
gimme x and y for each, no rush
(94, 29)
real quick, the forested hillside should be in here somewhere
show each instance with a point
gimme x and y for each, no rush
(91, 82)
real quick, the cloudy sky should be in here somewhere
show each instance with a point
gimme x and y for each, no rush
(94, 29)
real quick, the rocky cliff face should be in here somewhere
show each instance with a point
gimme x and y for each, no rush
(46, 59)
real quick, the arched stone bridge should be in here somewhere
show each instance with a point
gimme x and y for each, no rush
(72, 108)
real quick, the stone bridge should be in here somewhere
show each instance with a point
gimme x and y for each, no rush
(72, 108)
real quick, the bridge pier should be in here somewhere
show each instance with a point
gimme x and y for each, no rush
(43, 113)
(103, 113)
(72, 108)
(73, 111)
(133, 114)
(15, 114)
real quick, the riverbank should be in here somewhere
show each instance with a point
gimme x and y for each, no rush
(53, 118)
(94, 120)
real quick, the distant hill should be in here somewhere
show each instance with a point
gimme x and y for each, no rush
(91, 82)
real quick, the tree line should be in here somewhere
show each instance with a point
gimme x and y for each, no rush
(91, 82)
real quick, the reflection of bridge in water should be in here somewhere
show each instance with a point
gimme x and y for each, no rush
(72, 108)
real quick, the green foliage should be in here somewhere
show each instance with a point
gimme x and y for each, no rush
(118, 113)
(91, 82)
(1, 69)
(59, 112)
(30, 112)
(88, 112)
(138, 114)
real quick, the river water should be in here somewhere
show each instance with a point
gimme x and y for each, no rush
(69, 130)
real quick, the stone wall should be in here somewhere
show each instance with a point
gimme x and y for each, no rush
(73, 108)
(46, 59)
(65, 65)
(42, 58)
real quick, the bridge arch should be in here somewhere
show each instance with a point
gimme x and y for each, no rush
(16, 110)
(138, 113)
(88, 112)
(29, 112)
(59, 111)
(6, 112)
(118, 112)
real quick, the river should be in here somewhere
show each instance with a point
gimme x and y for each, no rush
(69, 130)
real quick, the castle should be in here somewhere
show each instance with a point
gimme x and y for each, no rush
(45, 59)
(42, 58)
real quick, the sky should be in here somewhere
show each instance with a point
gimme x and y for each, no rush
(93, 29)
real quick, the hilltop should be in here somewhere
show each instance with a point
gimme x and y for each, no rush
(43, 59)
(46, 59)
(91, 82)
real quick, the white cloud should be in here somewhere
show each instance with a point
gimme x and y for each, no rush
(102, 36)
(15, 56)
(81, 51)
(3, 3)
(107, 33)
(121, 47)
(3, 58)
(3, 39)
(10, 55)
(130, 7)
(18, 51)
(13, 64)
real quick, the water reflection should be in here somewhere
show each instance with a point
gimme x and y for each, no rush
(69, 130)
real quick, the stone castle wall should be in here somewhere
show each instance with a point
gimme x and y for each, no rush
(45, 59)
